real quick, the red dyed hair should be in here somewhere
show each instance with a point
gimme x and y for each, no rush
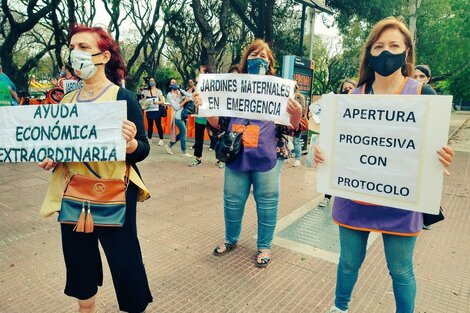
(116, 69)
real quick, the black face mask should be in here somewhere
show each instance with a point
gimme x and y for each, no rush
(387, 63)
(345, 91)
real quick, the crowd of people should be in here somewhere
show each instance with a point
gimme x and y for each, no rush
(387, 67)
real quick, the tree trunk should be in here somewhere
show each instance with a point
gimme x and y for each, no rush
(209, 48)
(268, 21)
(414, 6)
(71, 10)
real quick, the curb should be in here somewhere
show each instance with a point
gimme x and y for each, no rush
(458, 128)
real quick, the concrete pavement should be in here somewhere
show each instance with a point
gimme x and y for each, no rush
(183, 221)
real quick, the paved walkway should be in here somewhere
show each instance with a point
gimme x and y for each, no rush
(180, 225)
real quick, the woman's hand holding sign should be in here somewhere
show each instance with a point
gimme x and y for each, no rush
(197, 99)
(318, 156)
(47, 164)
(445, 157)
(213, 120)
(129, 131)
(295, 110)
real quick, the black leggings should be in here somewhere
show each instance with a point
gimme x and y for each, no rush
(199, 139)
(122, 249)
(154, 116)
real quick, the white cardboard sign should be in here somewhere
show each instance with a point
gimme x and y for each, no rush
(80, 132)
(261, 97)
(381, 149)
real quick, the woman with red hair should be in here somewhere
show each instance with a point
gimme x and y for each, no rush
(259, 164)
(96, 59)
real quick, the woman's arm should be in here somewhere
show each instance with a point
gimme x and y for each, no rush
(174, 104)
(213, 120)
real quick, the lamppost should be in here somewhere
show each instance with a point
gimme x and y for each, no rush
(315, 6)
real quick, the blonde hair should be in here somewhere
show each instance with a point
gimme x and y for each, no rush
(366, 74)
(256, 45)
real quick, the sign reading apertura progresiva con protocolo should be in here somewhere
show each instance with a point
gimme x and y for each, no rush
(83, 132)
(381, 149)
(262, 97)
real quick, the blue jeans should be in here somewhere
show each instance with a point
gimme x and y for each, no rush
(297, 148)
(399, 256)
(181, 125)
(266, 186)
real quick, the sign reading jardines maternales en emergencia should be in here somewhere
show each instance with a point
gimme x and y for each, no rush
(381, 149)
(80, 132)
(261, 97)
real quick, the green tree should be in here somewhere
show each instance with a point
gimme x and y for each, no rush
(444, 43)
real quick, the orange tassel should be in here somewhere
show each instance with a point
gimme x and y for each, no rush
(80, 227)
(89, 222)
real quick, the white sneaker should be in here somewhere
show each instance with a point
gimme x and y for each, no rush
(334, 309)
(187, 155)
(150, 140)
(324, 203)
(297, 163)
(168, 149)
(161, 142)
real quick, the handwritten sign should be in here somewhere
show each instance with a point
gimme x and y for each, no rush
(381, 149)
(63, 132)
(71, 85)
(261, 97)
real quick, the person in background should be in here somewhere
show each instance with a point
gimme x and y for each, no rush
(423, 73)
(346, 86)
(296, 138)
(259, 163)
(191, 86)
(5, 94)
(66, 73)
(9, 90)
(96, 59)
(177, 99)
(156, 99)
(234, 69)
(199, 124)
(386, 68)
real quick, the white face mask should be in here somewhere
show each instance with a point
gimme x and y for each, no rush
(82, 63)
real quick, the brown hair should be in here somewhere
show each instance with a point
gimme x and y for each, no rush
(208, 69)
(346, 80)
(234, 68)
(256, 45)
(366, 74)
(425, 69)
